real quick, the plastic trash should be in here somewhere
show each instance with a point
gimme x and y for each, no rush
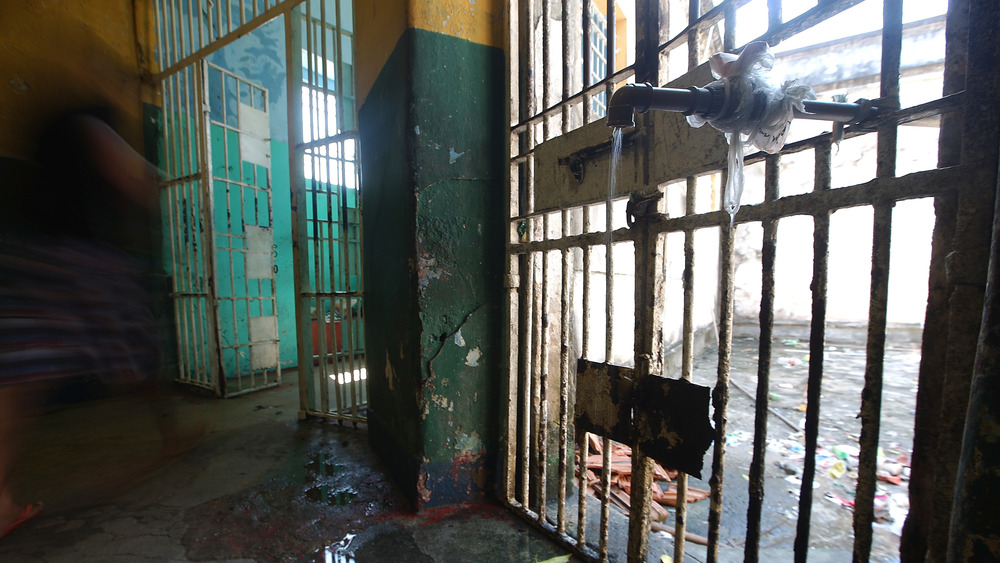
(755, 113)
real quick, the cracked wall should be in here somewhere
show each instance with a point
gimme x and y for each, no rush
(432, 131)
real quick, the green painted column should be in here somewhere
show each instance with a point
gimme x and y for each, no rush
(432, 139)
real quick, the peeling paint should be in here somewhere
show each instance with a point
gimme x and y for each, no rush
(416, 129)
(472, 358)
(453, 156)
(459, 341)
(468, 442)
(427, 270)
(390, 374)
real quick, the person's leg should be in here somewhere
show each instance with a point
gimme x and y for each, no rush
(12, 514)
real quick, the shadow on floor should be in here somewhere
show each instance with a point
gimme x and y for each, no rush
(257, 485)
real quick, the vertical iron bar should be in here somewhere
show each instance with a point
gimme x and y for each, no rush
(536, 381)
(871, 395)
(610, 26)
(774, 17)
(564, 339)
(720, 395)
(817, 340)
(605, 499)
(729, 29)
(300, 228)
(694, 12)
(218, 19)
(543, 385)
(756, 486)
(526, 296)
(687, 360)
(546, 73)
(210, 320)
(646, 348)
(584, 487)
(588, 16)
(201, 25)
(647, 61)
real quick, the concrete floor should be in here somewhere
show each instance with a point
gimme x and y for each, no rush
(257, 486)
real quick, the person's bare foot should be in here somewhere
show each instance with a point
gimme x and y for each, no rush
(11, 520)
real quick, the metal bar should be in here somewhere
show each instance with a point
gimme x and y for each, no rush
(175, 27)
(926, 183)
(817, 339)
(210, 38)
(687, 359)
(346, 268)
(610, 44)
(587, 249)
(583, 488)
(774, 18)
(218, 18)
(588, 30)
(546, 74)
(729, 26)
(871, 395)
(543, 386)
(605, 500)
(694, 11)
(508, 479)
(567, 69)
(293, 82)
(208, 261)
(160, 20)
(527, 267)
(720, 395)
(564, 338)
(647, 354)
(756, 486)
(217, 39)
(537, 463)
(584, 445)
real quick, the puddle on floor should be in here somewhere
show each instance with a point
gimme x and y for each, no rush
(332, 495)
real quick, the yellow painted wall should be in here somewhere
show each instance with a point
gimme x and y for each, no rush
(380, 24)
(57, 55)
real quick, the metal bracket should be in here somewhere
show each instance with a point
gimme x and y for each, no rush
(641, 205)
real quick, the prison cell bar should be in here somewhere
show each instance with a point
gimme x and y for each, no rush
(720, 395)
(756, 481)
(564, 336)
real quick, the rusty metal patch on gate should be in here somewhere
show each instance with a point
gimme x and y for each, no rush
(672, 422)
(604, 400)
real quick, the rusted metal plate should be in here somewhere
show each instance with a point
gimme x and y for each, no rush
(672, 422)
(604, 400)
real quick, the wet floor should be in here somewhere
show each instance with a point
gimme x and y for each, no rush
(256, 486)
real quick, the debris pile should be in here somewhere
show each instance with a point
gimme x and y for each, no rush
(839, 464)
(621, 480)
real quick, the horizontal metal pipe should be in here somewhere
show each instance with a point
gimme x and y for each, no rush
(708, 102)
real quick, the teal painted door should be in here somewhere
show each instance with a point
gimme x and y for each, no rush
(238, 137)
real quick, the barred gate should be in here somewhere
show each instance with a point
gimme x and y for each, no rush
(219, 219)
(615, 279)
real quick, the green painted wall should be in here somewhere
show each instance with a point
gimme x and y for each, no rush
(432, 131)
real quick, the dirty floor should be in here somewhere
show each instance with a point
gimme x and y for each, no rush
(257, 486)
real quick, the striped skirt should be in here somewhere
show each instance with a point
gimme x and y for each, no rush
(73, 307)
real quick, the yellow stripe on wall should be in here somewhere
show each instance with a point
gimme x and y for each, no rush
(380, 24)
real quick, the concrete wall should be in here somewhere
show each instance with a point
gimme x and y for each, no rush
(432, 135)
